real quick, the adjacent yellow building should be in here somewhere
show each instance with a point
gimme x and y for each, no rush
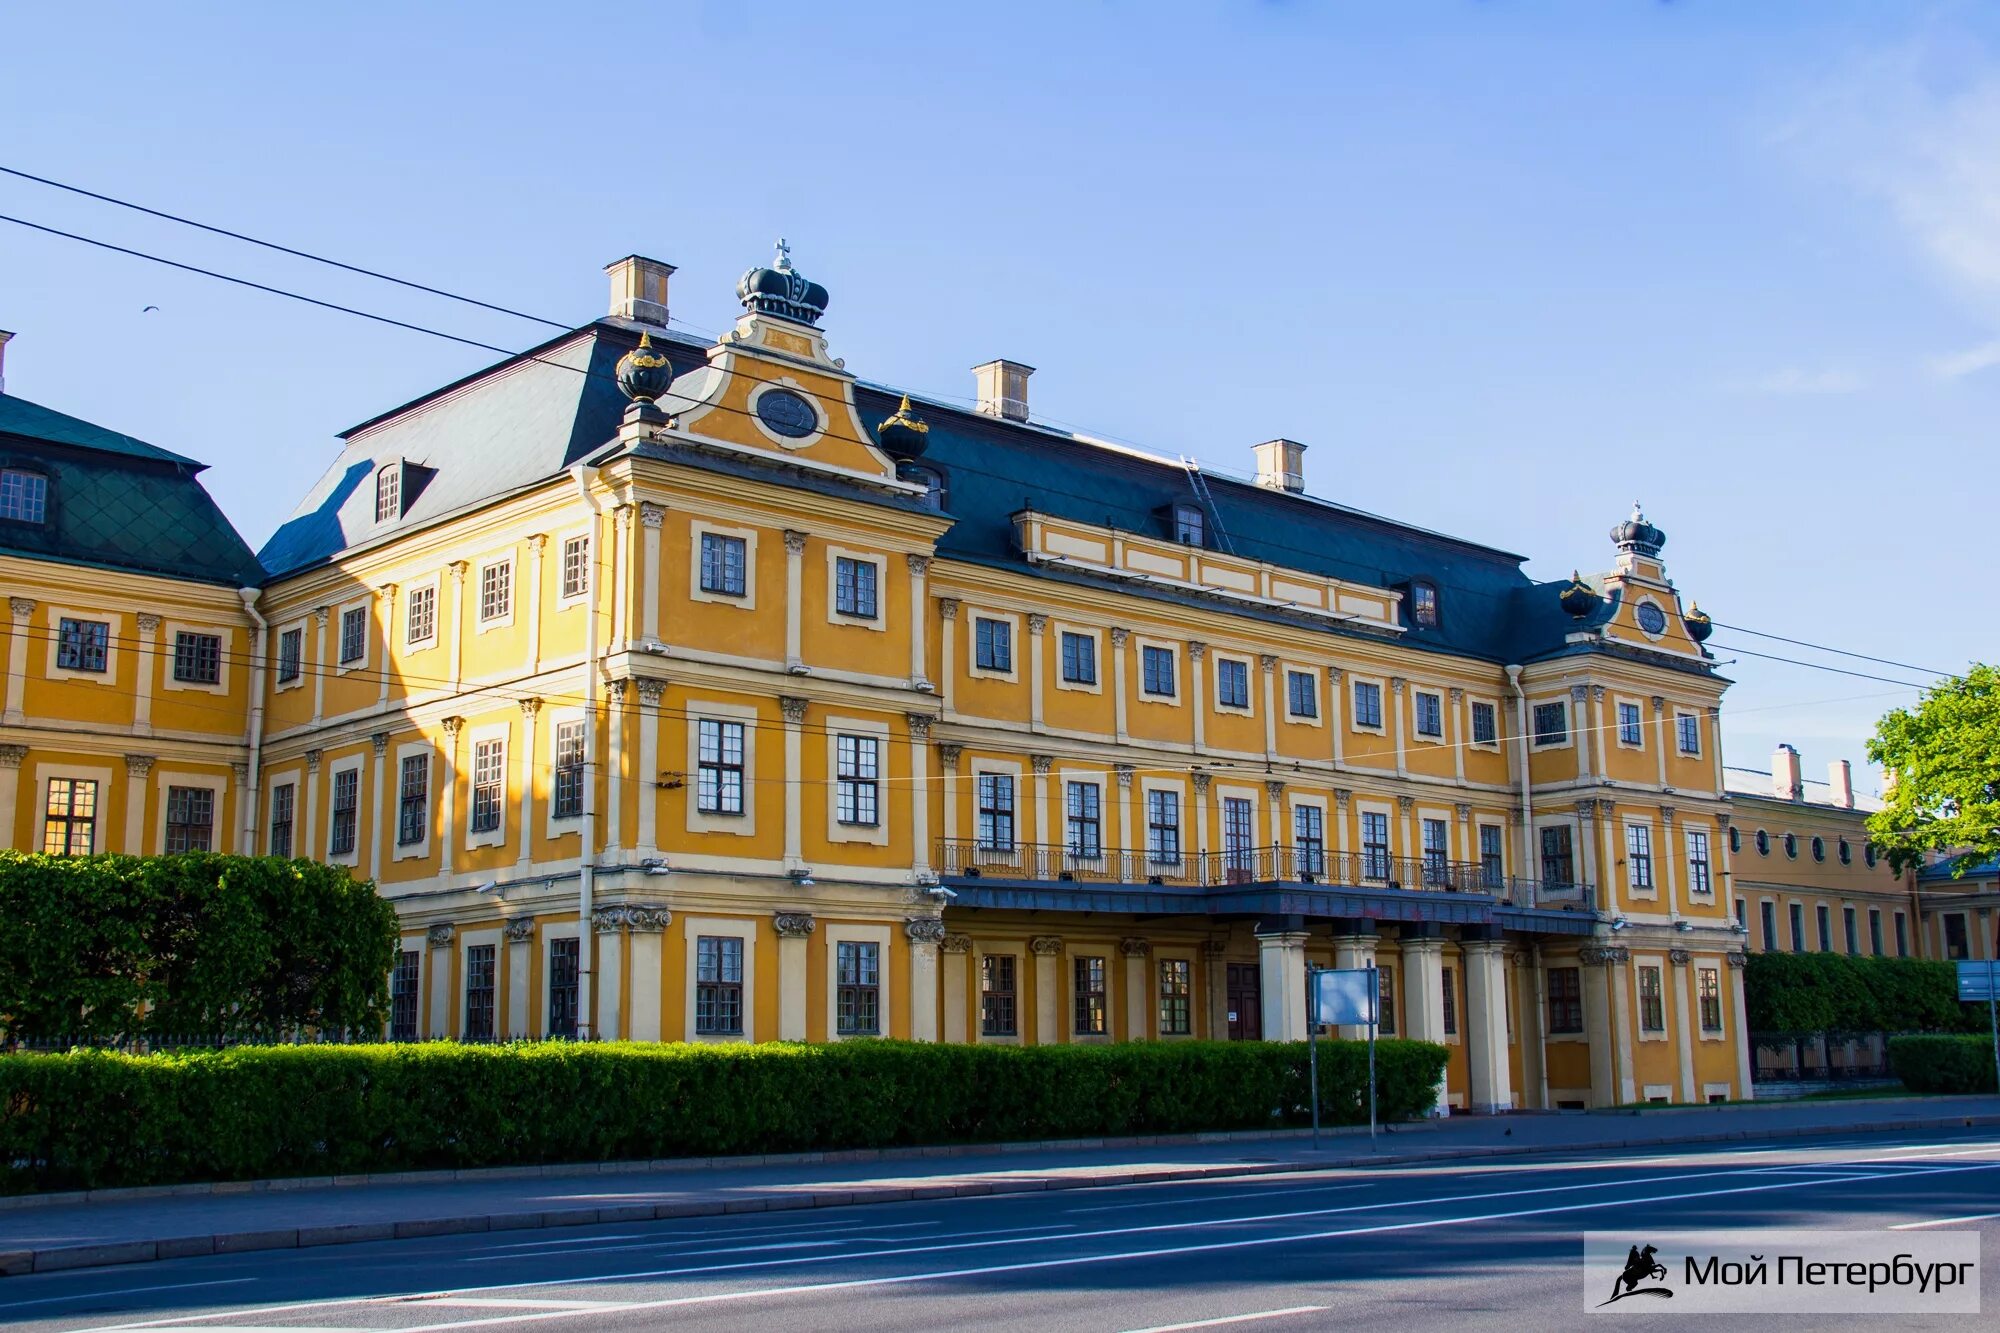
(693, 690)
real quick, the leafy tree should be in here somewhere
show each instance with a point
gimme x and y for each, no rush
(1945, 755)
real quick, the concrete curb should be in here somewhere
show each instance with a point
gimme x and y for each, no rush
(59, 1257)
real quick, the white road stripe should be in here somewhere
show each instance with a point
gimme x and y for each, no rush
(1944, 1222)
(98, 1295)
(1231, 1319)
(1219, 1198)
(498, 1303)
(852, 1236)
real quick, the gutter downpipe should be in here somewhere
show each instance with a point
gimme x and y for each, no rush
(586, 903)
(247, 799)
(1527, 787)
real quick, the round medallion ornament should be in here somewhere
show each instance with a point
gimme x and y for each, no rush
(1652, 619)
(786, 413)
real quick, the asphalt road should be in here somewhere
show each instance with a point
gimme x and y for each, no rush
(1437, 1246)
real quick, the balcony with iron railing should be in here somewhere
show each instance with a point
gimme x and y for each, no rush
(1273, 865)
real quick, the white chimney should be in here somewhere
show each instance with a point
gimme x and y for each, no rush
(4, 338)
(1787, 784)
(1003, 389)
(1840, 775)
(1281, 465)
(639, 289)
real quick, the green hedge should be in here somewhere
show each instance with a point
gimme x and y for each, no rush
(1792, 995)
(1943, 1064)
(90, 1120)
(199, 945)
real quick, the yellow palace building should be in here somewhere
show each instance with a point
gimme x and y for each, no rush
(679, 689)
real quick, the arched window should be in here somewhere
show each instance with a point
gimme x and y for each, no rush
(930, 479)
(389, 492)
(1424, 604)
(24, 496)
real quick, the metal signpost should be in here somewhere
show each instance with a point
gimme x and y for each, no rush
(1341, 995)
(1981, 981)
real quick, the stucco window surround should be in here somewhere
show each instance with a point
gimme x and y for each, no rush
(833, 934)
(1260, 833)
(1174, 668)
(1382, 693)
(1683, 716)
(1154, 997)
(786, 442)
(468, 940)
(1330, 840)
(880, 620)
(1620, 702)
(300, 626)
(558, 544)
(1017, 950)
(1287, 668)
(697, 529)
(1024, 803)
(413, 595)
(1017, 646)
(1654, 962)
(1568, 741)
(295, 778)
(1163, 861)
(553, 720)
(393, 801)
(1441, 814)
(1716, 964)
(1472, 742)
(225, 648)
(878, 832)
(725, 928)
(1387, 810)
(100, 817)
(699, 821)
(1108, 818)
(1413, 731)
(1099, 662)
(1452, 984)
(1480, 824)
(335, 627)
(113, 644)
(1251, 685)
(475, 588)
(1654, 870)
(323, 828)
(538, 1014)
(1066, 988)
(219, 828)
(497, 835)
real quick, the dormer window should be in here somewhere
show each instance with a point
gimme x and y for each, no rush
(930, 479)
(24, 496)
(1424, 604)
(389, 492)
(1190, 525)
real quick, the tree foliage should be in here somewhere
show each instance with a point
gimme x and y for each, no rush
(1943, 1064)
(194, 946)
(1793, 995)
(1945, 755)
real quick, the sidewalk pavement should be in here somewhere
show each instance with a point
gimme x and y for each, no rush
(40, 1233)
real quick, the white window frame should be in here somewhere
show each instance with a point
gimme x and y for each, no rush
(1655, 870)
(1354, 722)
(1695, 753)
(1096, 637)
(307, 667)
(570, 826)
(1720, 1033)
(1288, 669)
(100, 822)
(564, 601)
(876, 834)
(1499, 724)
(879, 622)
(1388, 813)
(324, 831)
(1216, 660)
(114, 635)
(1007, 768)
(296, 780)
(837, 933)
(433, 585)
(727, 927)
(1688, 835)
(1657, 963)
(169, 632)
(492, 731)
(468, 940)
(1016, 646)
(338, 621)
(481, 625)
(1568, 742)
(1476, 854)
(1329, 841)
(1618, 732)
(421, 850)
(1443, 736)
(538, 1021)
(221, 833)
(699, 821)
(1084, 777)
(697, 528)
(1184, 828)
(1173, 650)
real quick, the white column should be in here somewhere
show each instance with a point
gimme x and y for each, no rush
(795, 716)
(447, 794)
(137, 766)
(1597, 727)
(1215, 988)
(319, 663)
(1597, 962)
(1530, 1005)
(22, 609)
(615, 697)
(441, 939)
(795, 567)
(947, 648)
(795, 930)
(1399, 687)
(1281, 965)
(1620, 973)
(1118, 705)
(920, 635)
(538, 545)
(1138, 988)
(1274, 797)
(957, 951)
(1423, 997)
(1669, 859)
(621, 578)
(1335, 701)
(920, 793)
(1461, 733)
(1038, 634)
(10, 780)
(379, 742)
(530, 709)
(1268, 665)
(1582, 732)
(1202, 782)
(1043, 818)
(948, 757)
(650, 694)
(610, 980)
(925, 934)
(1350, 953)
(149, 658)
(520, 936)
(1660, 735)
(1682, 991)
(458, 570)
(1197, 699)
(386, 595)
(1740, 1033)
(1486, 1027)
(648, 938)
(652, 518)
(1047, 953)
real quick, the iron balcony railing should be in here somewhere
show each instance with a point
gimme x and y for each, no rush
(1249, 865)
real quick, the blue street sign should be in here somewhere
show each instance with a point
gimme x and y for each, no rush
(1344, 995)
(1978, 980)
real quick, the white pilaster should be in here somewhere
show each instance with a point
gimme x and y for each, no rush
(920, 793)
(379, 787)
(1138, 989)
(795, 931)
(1423, 997)
(519, 933)
(650, 694)
(150, 657)
(530, 710)
(795, 565)
(1038, 627)
(957, 957)
(610, 980)
(925, 934)
(1281, 964)
(652, 518)
(1681, 993)
(795, 716)
(441, 938)
(1047, 953)
(1486, 1027)
(22, 609)
(920, 635)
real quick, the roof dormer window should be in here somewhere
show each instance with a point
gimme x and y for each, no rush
(1424, 604)
(1190, 525)
(24, 496)
(389, 492)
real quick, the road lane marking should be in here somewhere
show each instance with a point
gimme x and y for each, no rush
(1944, 1222)
(1155, 1228)
(124, 1291)
(1221, 1198)
(1231, 1319)
(500, 1303)
(851, 1236)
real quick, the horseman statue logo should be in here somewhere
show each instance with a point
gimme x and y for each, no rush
(1640, 1266)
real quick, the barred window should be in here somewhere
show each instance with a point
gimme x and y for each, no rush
(1385, 1001)
(854, 587)
(1301, 694)
(1082, 806)
(997, 996)
(82, 645)
(284, 799)
(724, 564)
(1176, 997)
(567, 796)
(1163, 827)
(1308, 840)
(190, 819)
(565, 963)
(1485, 725)
(1374, 845)
(479, 968)
(420, 622)
(346, 802)
(1079, 658)
(1551, 723)
(1157, 672)
(858, 989)
(496, 590)
(1088, 994)
(1699, 879)
(1565, 999)
(1639, 855)
(857, 791)
(1708, 984)
(995, 798)
(1630, 729)
(489, 784)
(1652, 1000)
(576, 565)
(992, 644)
(291, 655)
(404, 983)
(388, 492)
(1430, 714)
(1232, 679)
(353, 635)
(24, 496)
(719, 767)
(413, 800)
(1450, 1002)
(1367, 704)
(197, 658)
(69, 818)
(718, 985)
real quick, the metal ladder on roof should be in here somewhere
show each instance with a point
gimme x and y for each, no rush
(1201, 493)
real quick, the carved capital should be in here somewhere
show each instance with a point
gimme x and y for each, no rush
(1037, 622)
(1214, 950)
(1659, 704)
(452, 726)
(1267, 662)
(1679, 957)
(1457, 696)
(139, 765)
(652, 515)
(947, 608)
(1396, 683)
(1586, 809)
(957, 943)
(1042, 763)
(1736, 960)
(924, 929)
(459, 569)
(795, 542)
(441, 935)
(1596, 955)
(1124, 775)
(1201, 781)
(949, 754)
(1341, 796)
(651, 692)
(1464, 812)
(380, 743)
(793, 707)
(312, 761)
(1597, 693)
(1667, 815)
(920, 725)
(614, 691)
(794, 925)
(1045, 946)
(12, 755)
(1134, 947)
(1274, 789)
(537, 543)
(1405, 804)
(1517, 817)
(1334, 674)
(920, 565)
(1605, 809)
(530, 706)
(1722, 822)
(519, 930)
(1119, 636)
(148, 623)
(22, 607)
(320, 614)
(629, 916)
(1579, 694)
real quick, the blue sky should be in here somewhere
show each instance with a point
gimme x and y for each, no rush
(1505, 267)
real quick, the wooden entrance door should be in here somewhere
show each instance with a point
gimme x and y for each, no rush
(1246, 1002)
